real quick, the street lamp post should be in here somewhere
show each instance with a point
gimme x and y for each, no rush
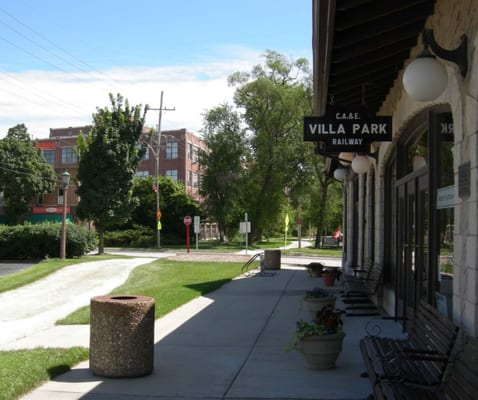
(65, 180)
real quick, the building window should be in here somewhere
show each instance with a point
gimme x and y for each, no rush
(195, 180)
(68, 156)
(140, 147)
(60, 196)
(171, 150)
(195, 154)
(49, 156)
(172, 173)
(189, 151)
(140, 174)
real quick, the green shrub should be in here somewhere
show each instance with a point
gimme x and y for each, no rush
(139, 236)
(39, 241)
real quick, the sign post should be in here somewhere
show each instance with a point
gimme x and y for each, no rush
(187, 221)
(245, 227)
(197, 228)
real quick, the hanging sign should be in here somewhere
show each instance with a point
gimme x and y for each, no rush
(347, 128)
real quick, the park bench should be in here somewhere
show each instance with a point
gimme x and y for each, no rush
(460, 381)
(358, 273)
(329, 242)
(359, 292)
(420, 358)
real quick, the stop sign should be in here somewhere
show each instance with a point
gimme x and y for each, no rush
(187, 220)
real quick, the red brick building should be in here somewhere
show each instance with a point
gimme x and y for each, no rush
(178, 159)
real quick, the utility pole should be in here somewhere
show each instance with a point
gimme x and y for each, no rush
(157, 152)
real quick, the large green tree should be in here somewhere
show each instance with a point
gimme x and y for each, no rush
(275, 97)
(175, 204)
(107, 166)
(222, 167)
(24, 173)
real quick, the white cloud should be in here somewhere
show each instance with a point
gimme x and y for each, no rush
(43, 100)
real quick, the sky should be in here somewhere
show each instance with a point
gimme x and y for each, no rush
(59, 60)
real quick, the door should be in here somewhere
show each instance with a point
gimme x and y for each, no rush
(412, 227)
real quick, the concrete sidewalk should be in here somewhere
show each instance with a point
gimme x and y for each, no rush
(230, 344)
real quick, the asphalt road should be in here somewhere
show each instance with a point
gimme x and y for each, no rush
(13, 266)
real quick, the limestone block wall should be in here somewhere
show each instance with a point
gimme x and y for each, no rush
(451, 20)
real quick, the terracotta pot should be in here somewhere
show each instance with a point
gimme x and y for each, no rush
(328, 278)
(314, 304)
(321, 352)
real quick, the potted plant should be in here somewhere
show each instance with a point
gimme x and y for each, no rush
(328, 276)
(320, 341)
(315, 269)
(315, 299)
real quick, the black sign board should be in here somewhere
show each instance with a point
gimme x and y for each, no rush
(444, 124)
(350, 128)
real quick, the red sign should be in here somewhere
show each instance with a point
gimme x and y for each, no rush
(187, 220)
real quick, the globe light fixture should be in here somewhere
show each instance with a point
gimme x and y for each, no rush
(345, 158)
(425, 78)
(360, 164)
(340, 174)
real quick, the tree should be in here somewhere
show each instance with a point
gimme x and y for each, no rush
(222, 166)
(175, 203)
(275, 97)
(107, 165)
(24, 174)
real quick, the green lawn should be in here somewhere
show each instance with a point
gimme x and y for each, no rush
(171, 283)
(23, 370)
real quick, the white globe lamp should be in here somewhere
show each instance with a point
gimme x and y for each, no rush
(345, 158)
(340, 174)
(360, 164)
(425, 78)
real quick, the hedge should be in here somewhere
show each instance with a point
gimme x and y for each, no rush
(40, 241)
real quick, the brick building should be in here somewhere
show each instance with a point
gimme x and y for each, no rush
(178, 156)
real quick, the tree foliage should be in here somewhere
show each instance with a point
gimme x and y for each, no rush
(24, 174)
(174, 203)
(107, 165)
(275, 97)
(222, 167)
(279, 170)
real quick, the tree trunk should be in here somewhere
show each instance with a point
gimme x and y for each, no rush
(101, 241)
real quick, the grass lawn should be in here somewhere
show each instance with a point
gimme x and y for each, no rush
(23, 370)
(171, 283)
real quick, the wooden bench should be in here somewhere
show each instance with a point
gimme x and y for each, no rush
(460, 381)
(358, 273)
(366, 286)
(359, 292)
(329, 242)
(421, 358)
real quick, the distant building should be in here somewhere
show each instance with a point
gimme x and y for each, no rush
(178, 159)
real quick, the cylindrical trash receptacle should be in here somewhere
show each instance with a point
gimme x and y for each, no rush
(121, 336)
(271, 259)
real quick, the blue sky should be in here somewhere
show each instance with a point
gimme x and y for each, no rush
(60, 59)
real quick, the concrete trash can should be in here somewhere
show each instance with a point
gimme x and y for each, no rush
(121, 336)
(272, 259)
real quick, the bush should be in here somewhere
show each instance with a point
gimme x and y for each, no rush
(139, 236)
(39, 241)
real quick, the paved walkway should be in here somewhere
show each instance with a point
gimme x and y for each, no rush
(230, 344)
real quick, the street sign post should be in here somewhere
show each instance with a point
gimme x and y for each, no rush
(197, 228)
(187, 221)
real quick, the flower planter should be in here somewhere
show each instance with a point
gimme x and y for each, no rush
(329, 278)
(321, 352)
(315, 304)
(315, 269)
